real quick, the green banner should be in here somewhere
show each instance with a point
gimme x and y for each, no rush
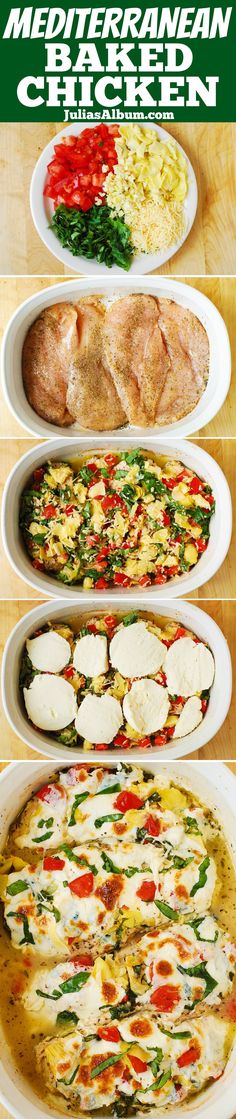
(116, 62)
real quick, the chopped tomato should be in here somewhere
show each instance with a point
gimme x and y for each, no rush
(110, 621)
(165, 998)
(201, 545)
(210, 497)
(69, 672)
(112, 501)
(76, 174)
(166, 519)
(49, 511)
(111, 460)
(161, 577)
(183, 474)
(170, 483)
(38, 565)
(145, 581)
(204, 705)
(104, 551)
(180, 632)
(68, 509)
(101, 584)
(52, 862)
(126, 801)
(92, 627)
(189, 1057)
(38, 474)
(82, 886)
(160, 740)
(146, 891)
(170, 731)
(122, 580)
(152, 826)
(138, 1065)
(84, 959)
(195, 485)
(123, 741)
(50, 792)
(109, 1033)
(102, 746)
(144, 743)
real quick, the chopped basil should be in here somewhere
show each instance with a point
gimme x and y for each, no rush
(158, 1083)
(129, 619)
(78, 800)
(27, 938)
(61, 1080)
(42, 838)
(167, 911)
(111, 868)
(202, 877)
(110, 789)
(109, 1061)
(177, 863)
(75, 983)
(196, 926)
(192, 825)
(200, 972)
(155, 1064)
(17, 887)
(179, 1035)
(67, 1018)
(46, 823)
(104, 819)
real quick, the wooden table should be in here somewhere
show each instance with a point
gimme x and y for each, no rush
(211, 245)
(222, 292)
(222, 746)
(222, 585)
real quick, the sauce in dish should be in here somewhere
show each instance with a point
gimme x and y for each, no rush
(124, 519)
(117, 942)
(112, 681)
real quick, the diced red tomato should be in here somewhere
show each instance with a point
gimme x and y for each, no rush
(195, 485)
(38, 474)
(166, 519)
(84, 959)
(69, 672)
(104, 551)
(126, 801)
(101, 584)
(170, 731)
(49, 511)
(210, 497)
(204, 705)
(183, 474)
(165, 998)
(68, 509)
(189, 1057)
(180, 632)
(39, 566)
(146, 891)
(102, 746)
(121, 580)
(112, 501)
(92, 627)
(138, 1065)
(144, 743)
(92, 538)
(52, 862)
(201, 545)
(169, 483)
(122, 741)
(144, 581)
(75, 174)
(109, 1033)
(111, 460)
(110, 621)
(82, 886)
(49, 793)
(160, 740)
(152, 826)
(161, 577)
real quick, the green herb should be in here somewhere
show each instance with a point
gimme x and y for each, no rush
(110, 789)
(42, 838)
(96, 234)
(67, 1018)
(111, 868)
(155, 1064)
(129, 619)
(129, 494)
(17, 887)
(192, 825)
(68, 736)
(196, 925)
(202, 876)
(46, 823)
(27, 938)
(177, 863)
(154, 798)
(180, 1034)
(167, 910)
(78, 800)
(142, 833)
(158, 1083)
(75, 983)
(109, 1061)
(200, 972)
(103, 819)
(62, 1080)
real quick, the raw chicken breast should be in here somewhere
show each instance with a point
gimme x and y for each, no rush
(137, 355)
(92, 395)
(187, 346)
(48, 350)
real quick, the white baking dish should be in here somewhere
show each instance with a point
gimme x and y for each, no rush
(192, 456)
(184, 613)
(220, 358)
(215, 785)
(42, 210)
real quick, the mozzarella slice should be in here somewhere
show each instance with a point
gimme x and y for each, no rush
(50, 702)
(146, 706)
(189, 667)
(134, 651)
(99, 718)
(90, 655)
(49, 652)
(190, 717)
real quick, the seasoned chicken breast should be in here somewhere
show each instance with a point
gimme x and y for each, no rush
(92, 397)
(187, 347)
(48, 352)
(137, 355)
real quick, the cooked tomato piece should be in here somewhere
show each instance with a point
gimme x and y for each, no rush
(145, 581)
(195, 485)
(52, 862)
(123, 741)
(165, 998)
(146, 891)
(84, 959)
(49, 511)
(189, 1057)
(110, 621)
(101, 584)
(138, 1065)
(126, 801)
(50, 792)
(111, 460)
(82, 886)
(102, 746)
(109, 1033)
(68, 509)
(160, 739)
(120, 579)
(69, 672)
(152, 826)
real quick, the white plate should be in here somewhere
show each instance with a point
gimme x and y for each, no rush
(216, 787)
(42, 210)
(212, 398)
(184, 613)
(190, 454)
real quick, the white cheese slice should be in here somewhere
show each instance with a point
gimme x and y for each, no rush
(146, 706)
(50, 702)
(99, 718)
(90, 655)
(189, 667)
(134, 651)
(49, 652)
(190, 717)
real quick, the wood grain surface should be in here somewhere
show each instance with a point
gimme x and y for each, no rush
(211, 245)
(222, 292)
(222, 746)
(223, 583)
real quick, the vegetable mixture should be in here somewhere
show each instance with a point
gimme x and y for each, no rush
(117, 191)
(125, 519)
